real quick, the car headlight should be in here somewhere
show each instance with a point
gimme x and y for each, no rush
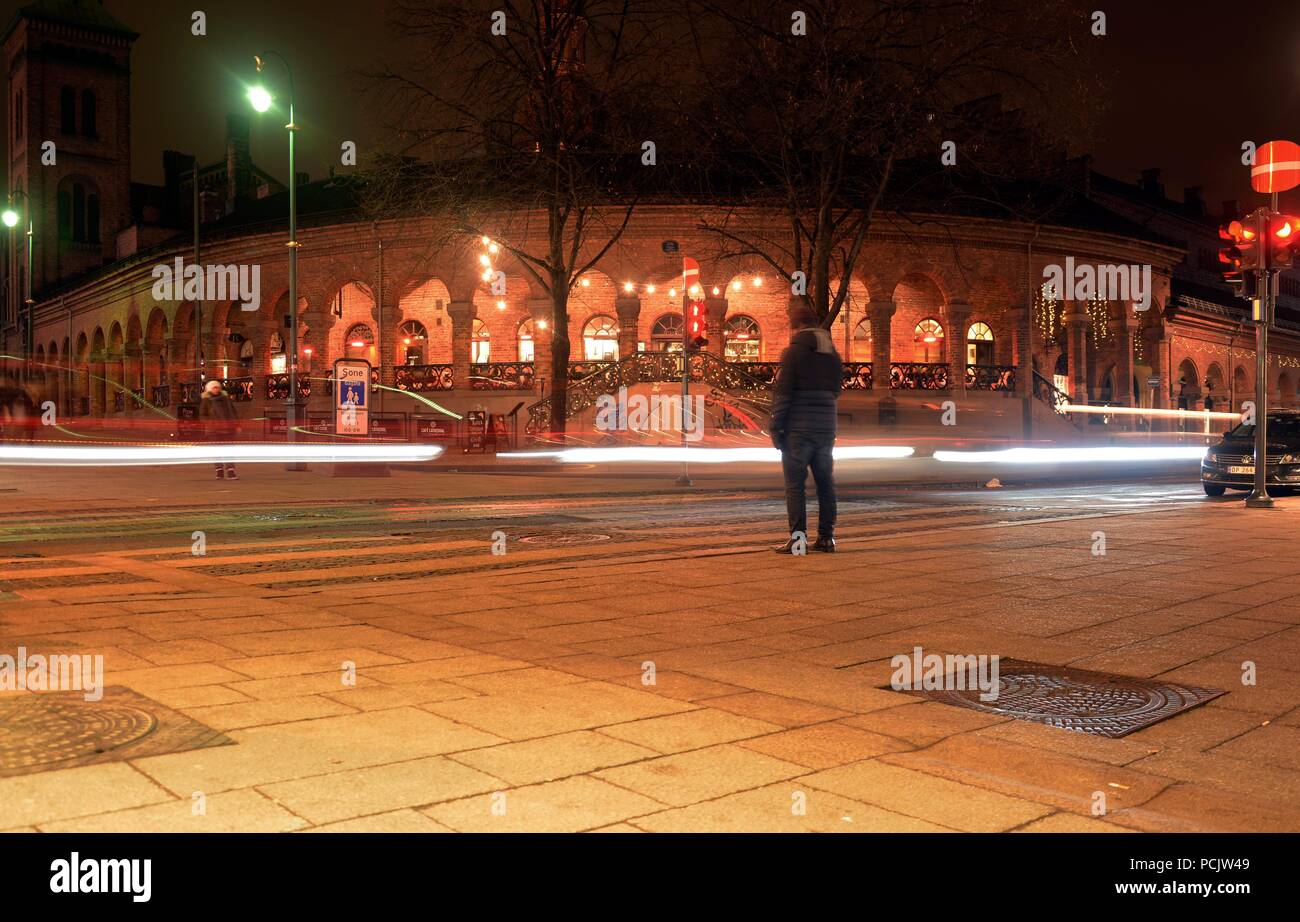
(1212, 455)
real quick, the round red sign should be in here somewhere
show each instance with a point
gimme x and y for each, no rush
(1277, 167)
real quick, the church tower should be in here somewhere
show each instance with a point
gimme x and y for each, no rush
(69, 105)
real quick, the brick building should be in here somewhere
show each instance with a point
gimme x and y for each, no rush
(943, 305)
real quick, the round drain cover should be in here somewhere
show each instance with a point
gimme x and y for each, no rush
(561, 540)
(38, 729)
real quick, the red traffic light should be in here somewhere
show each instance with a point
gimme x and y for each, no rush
(1283, 240)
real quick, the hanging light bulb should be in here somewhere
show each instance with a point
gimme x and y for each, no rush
(649, 289)
(629, 287)
(758, 280)
(501, 305)
(736, 285)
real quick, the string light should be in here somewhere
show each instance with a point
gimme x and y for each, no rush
(501, 305)
(736, 285)
(649, 289)
(715, 289)
(586, 283)
(629, 287)
(758, 281)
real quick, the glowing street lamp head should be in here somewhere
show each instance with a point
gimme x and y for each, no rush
(260, 98)
(10, 217)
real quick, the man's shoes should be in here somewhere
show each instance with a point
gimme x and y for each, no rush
(788, 547)
(233, 476)
(825, 545)
(221, 475)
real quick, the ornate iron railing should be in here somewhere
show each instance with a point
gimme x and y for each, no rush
(991, 377)
(1050, 394)
(580, 370)
(857, 376)
(760, 371)
(419, 378)
(918, 376)
(188, 392)
(239, 389)
(704, 368)
(277, 387)
(162, 395)
(501, 376)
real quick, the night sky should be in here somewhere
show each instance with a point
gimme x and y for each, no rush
(1173, 69)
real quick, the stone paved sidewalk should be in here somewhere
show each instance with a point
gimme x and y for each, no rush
(503, 699)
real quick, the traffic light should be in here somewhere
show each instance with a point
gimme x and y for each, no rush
(1240, 256)
(1283, 238)
(695, 325)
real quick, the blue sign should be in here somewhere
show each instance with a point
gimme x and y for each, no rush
(352, 393)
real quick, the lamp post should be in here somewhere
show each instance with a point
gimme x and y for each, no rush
(261, 100)
(11, 218)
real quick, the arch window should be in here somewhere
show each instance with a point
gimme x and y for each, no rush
(862, 340)
(68, 110)
(742, 339)
(979, 344)
(480, 343)
(359, 343)
(413, 339)
(88, 126)
(666, 333)
(600, 339)
(525, 338)
(927, 341)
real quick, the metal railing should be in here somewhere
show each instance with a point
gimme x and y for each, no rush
(918, 376)
(501, 376)
(991, 377)
(420, 378)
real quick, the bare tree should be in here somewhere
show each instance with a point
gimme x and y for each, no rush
(523, 120)
(825, 112)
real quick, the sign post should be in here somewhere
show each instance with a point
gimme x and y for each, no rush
(352, 393)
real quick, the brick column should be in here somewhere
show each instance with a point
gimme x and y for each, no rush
(1076, 326)
(1022, 344)
(628, 309)
(1124, 354)
(97, 384)
(881, 314)
(462, 314)
(540, 309)
(957, 316)
(715, 309)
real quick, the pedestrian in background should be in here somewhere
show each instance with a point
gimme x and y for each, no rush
(217, 413)
(803, 426)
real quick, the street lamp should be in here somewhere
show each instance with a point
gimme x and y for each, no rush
(11, 218)
(261, 100)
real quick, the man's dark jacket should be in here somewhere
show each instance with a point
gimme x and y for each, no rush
(807, 385)
(219, 414)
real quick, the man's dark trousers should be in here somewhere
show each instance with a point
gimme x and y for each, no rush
(802, 451)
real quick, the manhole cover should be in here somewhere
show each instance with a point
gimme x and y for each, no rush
(49, 730)
(1101, 703)
(561, 540)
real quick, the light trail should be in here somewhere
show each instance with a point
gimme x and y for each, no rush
(668, 454)
(233, 453)
(1076, 455)
(1140, 411)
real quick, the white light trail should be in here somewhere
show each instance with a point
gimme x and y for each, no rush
(234, 453)
(669, 454)
(1148, 411)
(1076, 455)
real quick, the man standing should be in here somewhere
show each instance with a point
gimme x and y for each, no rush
(217, 411)
(803, 425)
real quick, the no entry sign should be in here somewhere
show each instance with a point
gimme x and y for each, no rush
(1277, 167)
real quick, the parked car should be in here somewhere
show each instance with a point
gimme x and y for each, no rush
(1230, 464)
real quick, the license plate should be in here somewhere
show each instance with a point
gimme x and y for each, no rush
(1241, 469)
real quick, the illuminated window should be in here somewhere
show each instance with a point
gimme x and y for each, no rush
(742, 340)
(412, 339)
(526, 352)
(862, 341)
(666, 334)
(979, 344)
(359, 343)
(480, 347)
(927, 338)
(600, 339)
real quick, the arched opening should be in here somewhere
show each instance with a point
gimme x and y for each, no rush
(861, 349)
(480, 344)
(68, 110)
(742, 339)
(359, 342)
(927, 341)
(666, 333)
(88, 126)
(412, 340)
(1188, 390)
(979, 344)
(524, 339)
(600, 339)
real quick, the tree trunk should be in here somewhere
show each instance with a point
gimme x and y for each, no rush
(560, 350)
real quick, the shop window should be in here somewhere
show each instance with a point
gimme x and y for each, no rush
(666, 333)
(979, 344)
(480, 344)
(525, 337)
(742, 340)
(413, 340)
(600, 339)
(927, 341)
